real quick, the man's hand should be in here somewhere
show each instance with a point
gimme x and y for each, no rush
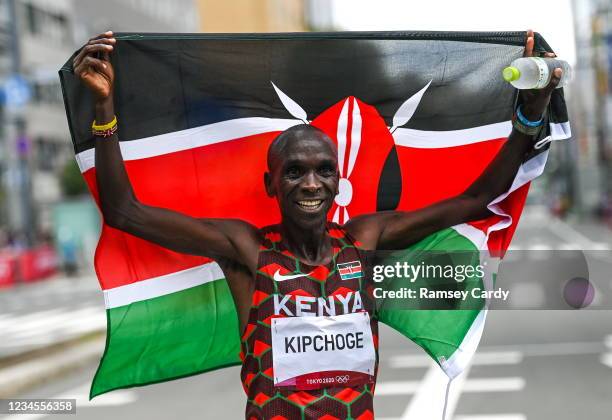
(92, 65)
(398, 230)
(535, 101)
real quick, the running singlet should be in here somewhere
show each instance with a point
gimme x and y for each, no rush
(309, 349)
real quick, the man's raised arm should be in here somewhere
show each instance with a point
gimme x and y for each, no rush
(396, 230)
(216, 238)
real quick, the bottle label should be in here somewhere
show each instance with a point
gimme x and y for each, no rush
(543, 72)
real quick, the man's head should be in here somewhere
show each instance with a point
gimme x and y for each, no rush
(303, 174)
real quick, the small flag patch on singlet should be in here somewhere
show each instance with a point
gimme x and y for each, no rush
(350, 270)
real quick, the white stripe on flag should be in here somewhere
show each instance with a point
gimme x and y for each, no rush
(439, 139)
(408, 137)
(243, 127)
(462, 356)
(162, 285)
(191, 138)
(475, 235)
(560, 131)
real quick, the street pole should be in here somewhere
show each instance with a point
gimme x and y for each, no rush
(602, 91)
(17, 148)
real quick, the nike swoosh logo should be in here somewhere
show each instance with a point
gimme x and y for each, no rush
(279, 277)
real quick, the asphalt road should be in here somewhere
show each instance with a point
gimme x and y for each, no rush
(530, 364)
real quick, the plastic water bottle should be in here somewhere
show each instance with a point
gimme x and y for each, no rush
(535, 72)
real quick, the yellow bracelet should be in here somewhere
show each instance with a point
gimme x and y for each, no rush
(104, 127)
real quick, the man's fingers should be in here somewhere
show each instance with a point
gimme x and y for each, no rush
(91, 49)
(91, 63)
(78, 70)
(108, 41)
(529, 44)
(554, 80)
(107, 34)
(95, 63)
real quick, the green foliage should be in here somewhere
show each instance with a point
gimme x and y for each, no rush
(71, 180)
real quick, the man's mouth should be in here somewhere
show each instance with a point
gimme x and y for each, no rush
(310, 204)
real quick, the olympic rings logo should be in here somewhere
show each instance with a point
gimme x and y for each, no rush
(342, 379)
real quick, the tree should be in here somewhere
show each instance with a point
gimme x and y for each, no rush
(71, 180)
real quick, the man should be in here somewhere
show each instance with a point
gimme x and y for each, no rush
(321, 342)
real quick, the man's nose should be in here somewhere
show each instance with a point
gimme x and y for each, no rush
(311, 183)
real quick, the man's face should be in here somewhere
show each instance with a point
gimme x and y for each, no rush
(304, 180)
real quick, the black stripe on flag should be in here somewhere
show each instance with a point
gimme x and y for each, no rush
(171, 82)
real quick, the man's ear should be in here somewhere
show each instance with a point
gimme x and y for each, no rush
(268, 184)
(337, 182)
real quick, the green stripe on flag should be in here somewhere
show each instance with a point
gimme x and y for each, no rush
(351, 276)
(439, 332)
(168, 337)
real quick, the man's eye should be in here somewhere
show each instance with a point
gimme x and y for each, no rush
(293, 172)
(327, 171)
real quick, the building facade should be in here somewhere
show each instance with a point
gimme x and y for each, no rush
(252, 16)
(36, 38)
(591, 105)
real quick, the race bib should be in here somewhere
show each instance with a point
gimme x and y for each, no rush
(317, 352)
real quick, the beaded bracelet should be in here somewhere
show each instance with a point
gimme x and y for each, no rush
(104, 130)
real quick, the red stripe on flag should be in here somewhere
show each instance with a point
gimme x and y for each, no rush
(208, 181)
(431, 175)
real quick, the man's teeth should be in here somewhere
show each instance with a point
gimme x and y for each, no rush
(310, 203)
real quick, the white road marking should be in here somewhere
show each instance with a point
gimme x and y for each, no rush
(510, 384)
(505, 384)
(571, 246)
(66, 321)
(9, 322)
(428, 402)
(480, 359)
(493, 417)
(29, 331)
(571, 235)
(552, 349)
(539, 251)
(81, 394)
(606, 358)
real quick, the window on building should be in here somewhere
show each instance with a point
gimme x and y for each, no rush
(47, 92)
(47, 24)
(32, 19)
(48, 152)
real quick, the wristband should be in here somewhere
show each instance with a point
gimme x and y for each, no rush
(525, 121)
(104, 130)
(525, 129)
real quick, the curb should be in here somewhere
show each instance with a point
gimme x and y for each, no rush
(23, 372)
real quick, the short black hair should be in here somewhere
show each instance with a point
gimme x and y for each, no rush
(296, 132)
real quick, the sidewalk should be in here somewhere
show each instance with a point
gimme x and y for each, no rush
(49, 328)
(36, 315)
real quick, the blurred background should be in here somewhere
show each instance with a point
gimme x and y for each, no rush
(52, 317)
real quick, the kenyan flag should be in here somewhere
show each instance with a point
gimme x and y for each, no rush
(417, 116)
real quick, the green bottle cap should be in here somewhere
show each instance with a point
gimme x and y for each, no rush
(511, 74)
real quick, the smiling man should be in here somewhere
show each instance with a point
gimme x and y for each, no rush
(320, 324)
